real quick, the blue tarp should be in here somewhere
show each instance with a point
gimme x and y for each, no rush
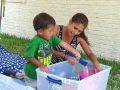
(11, 61)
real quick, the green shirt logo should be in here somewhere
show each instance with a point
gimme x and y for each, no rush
(44, 53)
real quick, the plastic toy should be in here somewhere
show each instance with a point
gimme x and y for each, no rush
(81, 60)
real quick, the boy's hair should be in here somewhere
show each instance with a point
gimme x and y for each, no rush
(42, 21)
(80, 18)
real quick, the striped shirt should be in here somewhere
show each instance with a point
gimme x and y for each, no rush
(60, 49)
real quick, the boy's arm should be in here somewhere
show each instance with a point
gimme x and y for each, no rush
(38, 64)
(70, 49)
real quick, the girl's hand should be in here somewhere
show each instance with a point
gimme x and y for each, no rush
(71, 59)
(96, 66)
(44, 68)
(77, 54)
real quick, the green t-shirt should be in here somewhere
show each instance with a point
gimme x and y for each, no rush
(40, 49)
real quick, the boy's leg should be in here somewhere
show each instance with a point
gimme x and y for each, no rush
(30, 82)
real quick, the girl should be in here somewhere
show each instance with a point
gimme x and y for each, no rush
(74, 35)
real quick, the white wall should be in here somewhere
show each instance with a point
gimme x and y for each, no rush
(104, 21)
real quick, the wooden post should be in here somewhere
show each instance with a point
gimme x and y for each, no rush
(0, 15)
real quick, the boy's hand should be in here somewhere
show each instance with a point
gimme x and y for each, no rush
(44, 68)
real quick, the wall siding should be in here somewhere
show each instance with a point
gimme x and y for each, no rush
(104, 21)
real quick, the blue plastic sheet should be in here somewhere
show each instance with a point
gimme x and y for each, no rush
(11, 61)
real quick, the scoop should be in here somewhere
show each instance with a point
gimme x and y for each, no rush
(81, 60)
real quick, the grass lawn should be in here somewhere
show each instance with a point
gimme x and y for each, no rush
(18, 45)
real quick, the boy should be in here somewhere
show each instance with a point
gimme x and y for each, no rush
(39, 50)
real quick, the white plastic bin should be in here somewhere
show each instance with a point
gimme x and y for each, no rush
(8, 83)
(60, 74)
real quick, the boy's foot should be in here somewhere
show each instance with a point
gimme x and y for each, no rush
(13, 74)
(9, 73)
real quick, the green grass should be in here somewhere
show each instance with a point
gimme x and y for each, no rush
(13, 43)
(18, 45)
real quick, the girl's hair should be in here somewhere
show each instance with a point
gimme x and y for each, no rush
(42, 21)
(80, 18)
